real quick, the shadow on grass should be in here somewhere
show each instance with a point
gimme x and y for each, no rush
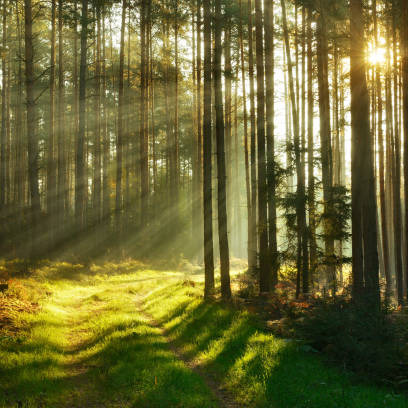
(258, 368)
(126, 364)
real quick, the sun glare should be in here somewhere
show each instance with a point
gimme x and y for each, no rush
(376, 56)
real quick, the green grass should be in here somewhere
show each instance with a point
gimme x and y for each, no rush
(258, 368)
(91, 345)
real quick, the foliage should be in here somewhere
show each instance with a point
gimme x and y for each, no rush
(361, 338)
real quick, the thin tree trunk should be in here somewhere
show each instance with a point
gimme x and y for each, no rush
(105, 136)
(144, 156)
(397, 169)
(295, 119)
(31, 129)
(97, 190)
(404, 61)
(198, 220)
(3, 135)
(310, 149)
(51, 164)
(325, 142)
(221, 170)
(228, 115)
(252, 262)
(301, 181)
(250, 243)
(80, 176)
(264, 268)
(270, 137)
(62, 165)
(381, 162)
(119, 144)
(207, 158)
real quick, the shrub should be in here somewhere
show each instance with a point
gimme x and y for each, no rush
(363, 339)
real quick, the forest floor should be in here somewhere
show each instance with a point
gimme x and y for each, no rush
(142, 338)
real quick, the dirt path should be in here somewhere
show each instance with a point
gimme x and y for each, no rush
(222, 396)
(93, 349)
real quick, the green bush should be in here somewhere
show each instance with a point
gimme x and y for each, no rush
(363, 339)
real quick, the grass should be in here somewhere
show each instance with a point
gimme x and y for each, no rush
(91, 345)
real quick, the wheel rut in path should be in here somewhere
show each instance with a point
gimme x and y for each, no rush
(224, 398)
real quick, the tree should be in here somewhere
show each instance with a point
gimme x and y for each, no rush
(364, 242)
(270, 138)
(325, 140)
(3, 137)
(207, 156)
(62, 163)
(221, 169)
(121, 101)
(264, 270)
(51, 164)
(80, 176)
(404, 48)
(32, 147)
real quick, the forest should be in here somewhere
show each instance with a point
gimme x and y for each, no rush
(204, 203)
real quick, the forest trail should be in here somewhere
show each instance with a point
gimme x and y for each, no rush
(146, 339)
(224, 398)
(92, 346)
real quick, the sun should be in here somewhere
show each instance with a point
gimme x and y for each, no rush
(376, 55)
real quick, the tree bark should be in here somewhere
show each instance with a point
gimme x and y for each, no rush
(119, 146)
(32, 137)
(250, 244)
(80, 176)
(221, 168)
(51, 164)
(404, 48)
(62, 164)
(365, 270)
(207, 158)
(3, 135)
(325, 142)
(252, 261)
(270, 137)
(264, 268)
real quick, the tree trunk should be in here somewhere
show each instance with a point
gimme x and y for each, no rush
(198, 221)
(97, 187)
(105, 136)
(119, 144)
(80, 176)
(325, 142)
(270, 138)
(62, 165)
(296, 138)
(221, 170)
(252, 261)
(228, 115)
(250, 244)
(310, 147)
(365, 270)
(3, 135)
(51, 165)
(144, 159)
(264, 268)
(397, 169)
(404, 48)
(301, 181)
(207, 158)
(31, 130)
